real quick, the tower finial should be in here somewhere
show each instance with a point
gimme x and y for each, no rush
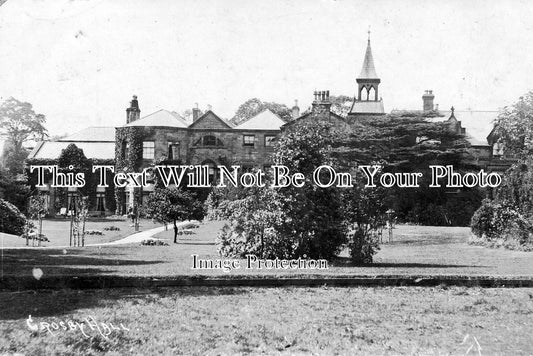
(368, 33)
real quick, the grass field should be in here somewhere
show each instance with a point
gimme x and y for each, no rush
(320, 321)
(415, 250)
(57, 231)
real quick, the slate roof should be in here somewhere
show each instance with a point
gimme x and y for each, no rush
(52, 150)
(367, 107)
(161, 118)
(478, 124)
(368, 71)
(208, 113)
(93, 134)
(265, 120)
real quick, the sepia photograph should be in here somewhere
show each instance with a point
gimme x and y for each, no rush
(253, 177)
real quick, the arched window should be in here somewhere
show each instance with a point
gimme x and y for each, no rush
(364, 93)
(209, 140)
(372, 93)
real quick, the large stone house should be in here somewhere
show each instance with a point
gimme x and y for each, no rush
(165, 137)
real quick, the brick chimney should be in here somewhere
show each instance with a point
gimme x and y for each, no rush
(321, 104)
(133, 112)
(295, 110)
(427, 99)
(195, 112)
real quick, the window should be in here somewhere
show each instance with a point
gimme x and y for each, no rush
(208, 140)
(148, 149)
(248, 140)
(211, 171)
(125, 149)
(71, 199)
(174, 151)
(270, 140)
(497, 149)
(212, 174)
(100, 201)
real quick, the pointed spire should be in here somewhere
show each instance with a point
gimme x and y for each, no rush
(368, 71)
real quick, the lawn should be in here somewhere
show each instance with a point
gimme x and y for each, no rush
(227, 321)
(57, 231)
(415, 250)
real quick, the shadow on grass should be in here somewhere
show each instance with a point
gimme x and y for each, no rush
(61, 262)
(90, 219)
(347, 262)
(47, 303)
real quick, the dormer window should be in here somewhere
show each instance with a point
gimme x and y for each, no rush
(497, 149)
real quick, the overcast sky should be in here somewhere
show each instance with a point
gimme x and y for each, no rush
(79, 62)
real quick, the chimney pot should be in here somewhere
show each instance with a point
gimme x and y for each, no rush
(427, 100)
(133, 112)
(295, 110)
(195, 112)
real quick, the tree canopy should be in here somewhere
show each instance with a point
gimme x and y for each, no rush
(514, 127)
(170, 205)
(19, 123)
(254, 106)
(402, 142)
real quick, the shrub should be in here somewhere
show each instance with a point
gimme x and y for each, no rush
(190, 226)
(111, 228)
(482, 223)
(363, 246)
(509, 217)
(254, 227)
(152, 242)
(93, 232)
(493, 221)
(12, 221)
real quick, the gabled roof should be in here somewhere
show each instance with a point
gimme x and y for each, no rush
(161, 118)
(209, 114)
(368, 71)
(478, 124)
(52, 149)
(265, 120)
(92, 134)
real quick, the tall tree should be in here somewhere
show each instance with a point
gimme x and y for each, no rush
(254, 106)
(19, 123)
(341, 104)
(316, 221)
(514, 127)
(406, 142)
(409, 142)
(170, 205)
